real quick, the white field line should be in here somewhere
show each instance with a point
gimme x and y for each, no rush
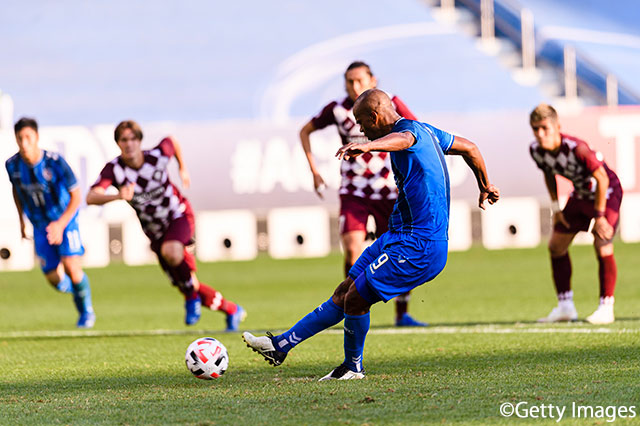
(483, 329)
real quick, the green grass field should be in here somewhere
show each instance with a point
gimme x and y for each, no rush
(483, 348)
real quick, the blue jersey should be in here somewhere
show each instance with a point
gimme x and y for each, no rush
(44, 189)
(422, 207)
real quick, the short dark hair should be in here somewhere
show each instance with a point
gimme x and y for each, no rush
(127, 124)
(358, 64)
(25, 122)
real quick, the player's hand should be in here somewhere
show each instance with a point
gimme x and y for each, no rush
(55, 231)
(491, 193)
(318, 185)
(558, 217)
(351, 150)
(186, 179)
(603, 229)
(126, 191)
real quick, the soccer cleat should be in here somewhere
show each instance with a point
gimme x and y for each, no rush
(193, 308)
(562, 312)
(408, 321)
(234, 320)
(602, 315)
(264, 346)
(342, 372)
(86, 320)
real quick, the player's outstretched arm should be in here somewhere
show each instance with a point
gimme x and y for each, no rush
(20, 213)
(182, 165)
(55, 229)
(305, 140)
(391, 142)
(98, 197)
(471, 154)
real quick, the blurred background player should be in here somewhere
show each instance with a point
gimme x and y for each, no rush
(166, 217)
(597, 195)
(46, 190)
(367, 186)
(414, 249)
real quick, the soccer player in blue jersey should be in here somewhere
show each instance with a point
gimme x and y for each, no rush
(46, 191)
(414, 249)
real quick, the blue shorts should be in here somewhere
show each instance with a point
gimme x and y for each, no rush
(49, 254)
(397, 263)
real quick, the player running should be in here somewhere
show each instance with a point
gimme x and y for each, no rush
(597, 195)
(414, 249)
(46, 190)
(142, 180)
(367, 186)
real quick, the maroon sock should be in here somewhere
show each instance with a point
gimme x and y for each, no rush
(561, 267)
(213, 300)
(608, 272)
(402, 304)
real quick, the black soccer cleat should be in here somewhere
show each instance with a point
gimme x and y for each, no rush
(342, 372)
(264, 346)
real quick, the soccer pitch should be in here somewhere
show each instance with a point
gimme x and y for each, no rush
(483, 348)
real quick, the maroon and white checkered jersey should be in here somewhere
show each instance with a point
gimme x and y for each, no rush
(368, 175)
(576, 161)
(156, 200)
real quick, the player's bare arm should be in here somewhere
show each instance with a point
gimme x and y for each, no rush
(602, 228)
(16, 200)
(552, 188)
(391, 142)
(97, 195)
(305, 140)
(55, 229)
(471, 154)
(182, 166)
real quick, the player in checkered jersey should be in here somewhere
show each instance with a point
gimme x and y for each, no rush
(367, 186)
(141, 179)
(596, 196)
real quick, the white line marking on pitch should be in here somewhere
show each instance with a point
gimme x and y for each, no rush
(484, 329)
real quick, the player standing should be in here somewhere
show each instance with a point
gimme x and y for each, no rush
(414, 249)
(597, 195)
(46, 190)
(166, 217)
(367, 186)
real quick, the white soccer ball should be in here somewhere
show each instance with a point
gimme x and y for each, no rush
(207, 358)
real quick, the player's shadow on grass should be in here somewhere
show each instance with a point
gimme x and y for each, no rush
(435, 385)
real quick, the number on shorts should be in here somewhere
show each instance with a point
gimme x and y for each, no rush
(380, 261)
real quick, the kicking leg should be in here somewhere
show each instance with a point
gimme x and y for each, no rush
(275, 348)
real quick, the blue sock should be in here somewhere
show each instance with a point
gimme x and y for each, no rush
(64, 286)
(324, 316)
(355, 331)
(82, 295)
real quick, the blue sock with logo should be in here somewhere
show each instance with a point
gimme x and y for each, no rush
(355, 331)
(324, 316)
(64, 286)
(82, 295)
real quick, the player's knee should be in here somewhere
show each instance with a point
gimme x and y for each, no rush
(557, 250)
(172, 254)
(354, 303)
(603, 249)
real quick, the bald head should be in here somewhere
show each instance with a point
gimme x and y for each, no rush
(375, 113)
(373, 100)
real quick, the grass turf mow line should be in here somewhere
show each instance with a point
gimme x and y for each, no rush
(484, 329)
